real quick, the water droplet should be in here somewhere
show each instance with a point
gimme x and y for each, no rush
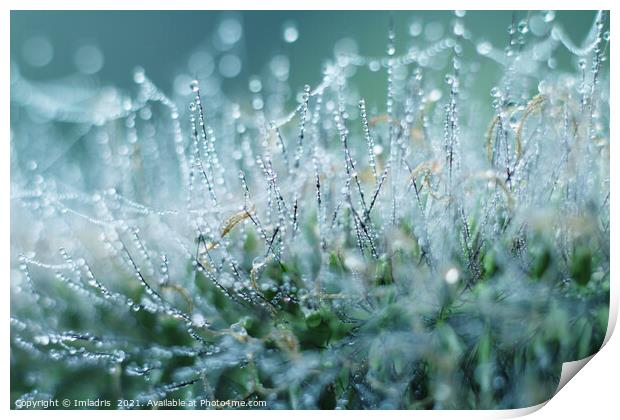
(415, 28)
(229, 66)
(198, 319)
(582, 63)
(194, 86)
(230, 31)
(138, 75)
(44, 340)
(549, 15)
(31, 165)
(434, 95)
(255, 84)
(290, 32)
(542, 87)
(452, 276)
(88, 59)
(38, 51)
(237, 328)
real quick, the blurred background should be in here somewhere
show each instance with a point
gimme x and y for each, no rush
(176, 46)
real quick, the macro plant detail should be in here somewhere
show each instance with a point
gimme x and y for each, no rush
(440, 249)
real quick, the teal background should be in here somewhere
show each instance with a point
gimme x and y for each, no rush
(161, 41)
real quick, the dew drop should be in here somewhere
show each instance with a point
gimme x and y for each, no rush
(44, 340)
(230, 31)
(582, 63)
(138, 75)
(549, 16)
(38, 51)
(452, 276)
(88, 59)
(374, 65)
(542, 87)
(229, 66)
(194, 86)
(415, 28)
(290, 32)
(255, 84)
(32, 165)
(198, 319)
